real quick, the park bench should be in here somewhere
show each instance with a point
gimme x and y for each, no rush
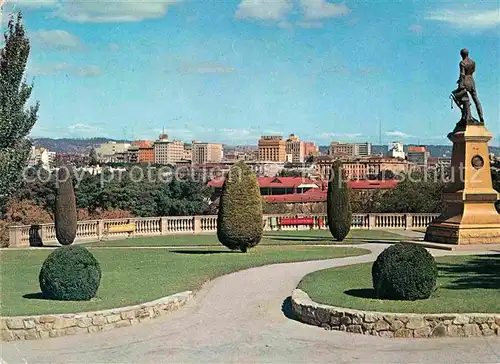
(297, 221)
(121, 228)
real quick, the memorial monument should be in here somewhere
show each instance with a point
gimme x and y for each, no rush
(469, 215)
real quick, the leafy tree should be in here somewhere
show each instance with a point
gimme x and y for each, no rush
(338, 203)
(65, 217)
(386, 175)
(15, 120)
(292, 173)
(240, 220)
(495, 176)
(416, 193)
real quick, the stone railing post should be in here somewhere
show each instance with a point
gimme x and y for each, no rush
(43, 233)
(15, 237)
(100, 229)
(409, 221)
(164, 226)
(197, 224)
(371, 221)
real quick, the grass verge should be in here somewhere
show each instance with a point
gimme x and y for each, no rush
(465, 284)
(133, 276)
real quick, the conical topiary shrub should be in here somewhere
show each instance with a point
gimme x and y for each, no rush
(338, 203)
(65, 212)
(239, 221)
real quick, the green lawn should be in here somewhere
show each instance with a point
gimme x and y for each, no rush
(132, 276)
(290, 237)
(465, 284)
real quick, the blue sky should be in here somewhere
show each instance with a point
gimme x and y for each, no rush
(232, 70)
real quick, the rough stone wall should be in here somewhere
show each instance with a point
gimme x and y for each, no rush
(46, 326)
(393, 324)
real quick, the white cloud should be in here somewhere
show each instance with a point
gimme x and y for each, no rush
(88, 71)
(69, 69)
(30, 4)
(82, 128)
(113, 47)
(330, 136)
(111, 11)
(273, 10)
(238, 134)
(320, 9)
(398, 134)
(465, 18)
(415, 28)
(310, 24)
(56, 39)
(47, 70)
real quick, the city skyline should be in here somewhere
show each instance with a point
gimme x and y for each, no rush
(232, 71)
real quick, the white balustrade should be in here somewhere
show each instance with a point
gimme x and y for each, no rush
(26, 235)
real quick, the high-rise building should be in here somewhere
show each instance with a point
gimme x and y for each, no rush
(107, 152)
(362, 149)
(272, 149)
(396, 150)
(168, 151)
(294, 147)
(350, 149)
(418, 155)
(310, 148)
(41, 156)
(146, 154)
(206, 152)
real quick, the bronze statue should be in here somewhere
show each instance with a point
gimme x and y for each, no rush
(466, 86)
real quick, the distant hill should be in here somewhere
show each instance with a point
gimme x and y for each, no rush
(83, 146)
(70, 145)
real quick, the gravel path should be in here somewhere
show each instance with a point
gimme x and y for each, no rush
(242, 318)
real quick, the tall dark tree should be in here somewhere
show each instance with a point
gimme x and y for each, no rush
(338, 203)
(16, 121)
(93, 159)
(65, 216)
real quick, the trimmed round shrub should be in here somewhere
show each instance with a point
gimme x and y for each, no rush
(404, 272)
(240, 220)
(70, 273)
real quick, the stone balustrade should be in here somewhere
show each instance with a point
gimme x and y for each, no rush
(94, 230)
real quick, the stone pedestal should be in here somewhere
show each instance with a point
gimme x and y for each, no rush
(469, 215)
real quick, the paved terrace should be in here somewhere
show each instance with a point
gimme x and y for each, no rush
(242, 318)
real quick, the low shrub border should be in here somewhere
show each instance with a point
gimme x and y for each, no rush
(398, 325)
(46, 326)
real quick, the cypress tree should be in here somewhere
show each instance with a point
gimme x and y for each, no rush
(16, 121)
(338, 203)
(239, 221)
(65, 215)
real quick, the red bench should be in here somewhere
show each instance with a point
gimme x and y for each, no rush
(296, 221)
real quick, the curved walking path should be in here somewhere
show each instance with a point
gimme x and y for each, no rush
(238, 318)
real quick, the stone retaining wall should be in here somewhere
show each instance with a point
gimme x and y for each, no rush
(393, 324)
(46, 326)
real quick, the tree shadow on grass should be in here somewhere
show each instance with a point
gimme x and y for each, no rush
(203, 252)
(361, 293)
(481, 271)
(35, 296)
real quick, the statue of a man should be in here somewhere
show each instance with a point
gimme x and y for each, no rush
(466, 86)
